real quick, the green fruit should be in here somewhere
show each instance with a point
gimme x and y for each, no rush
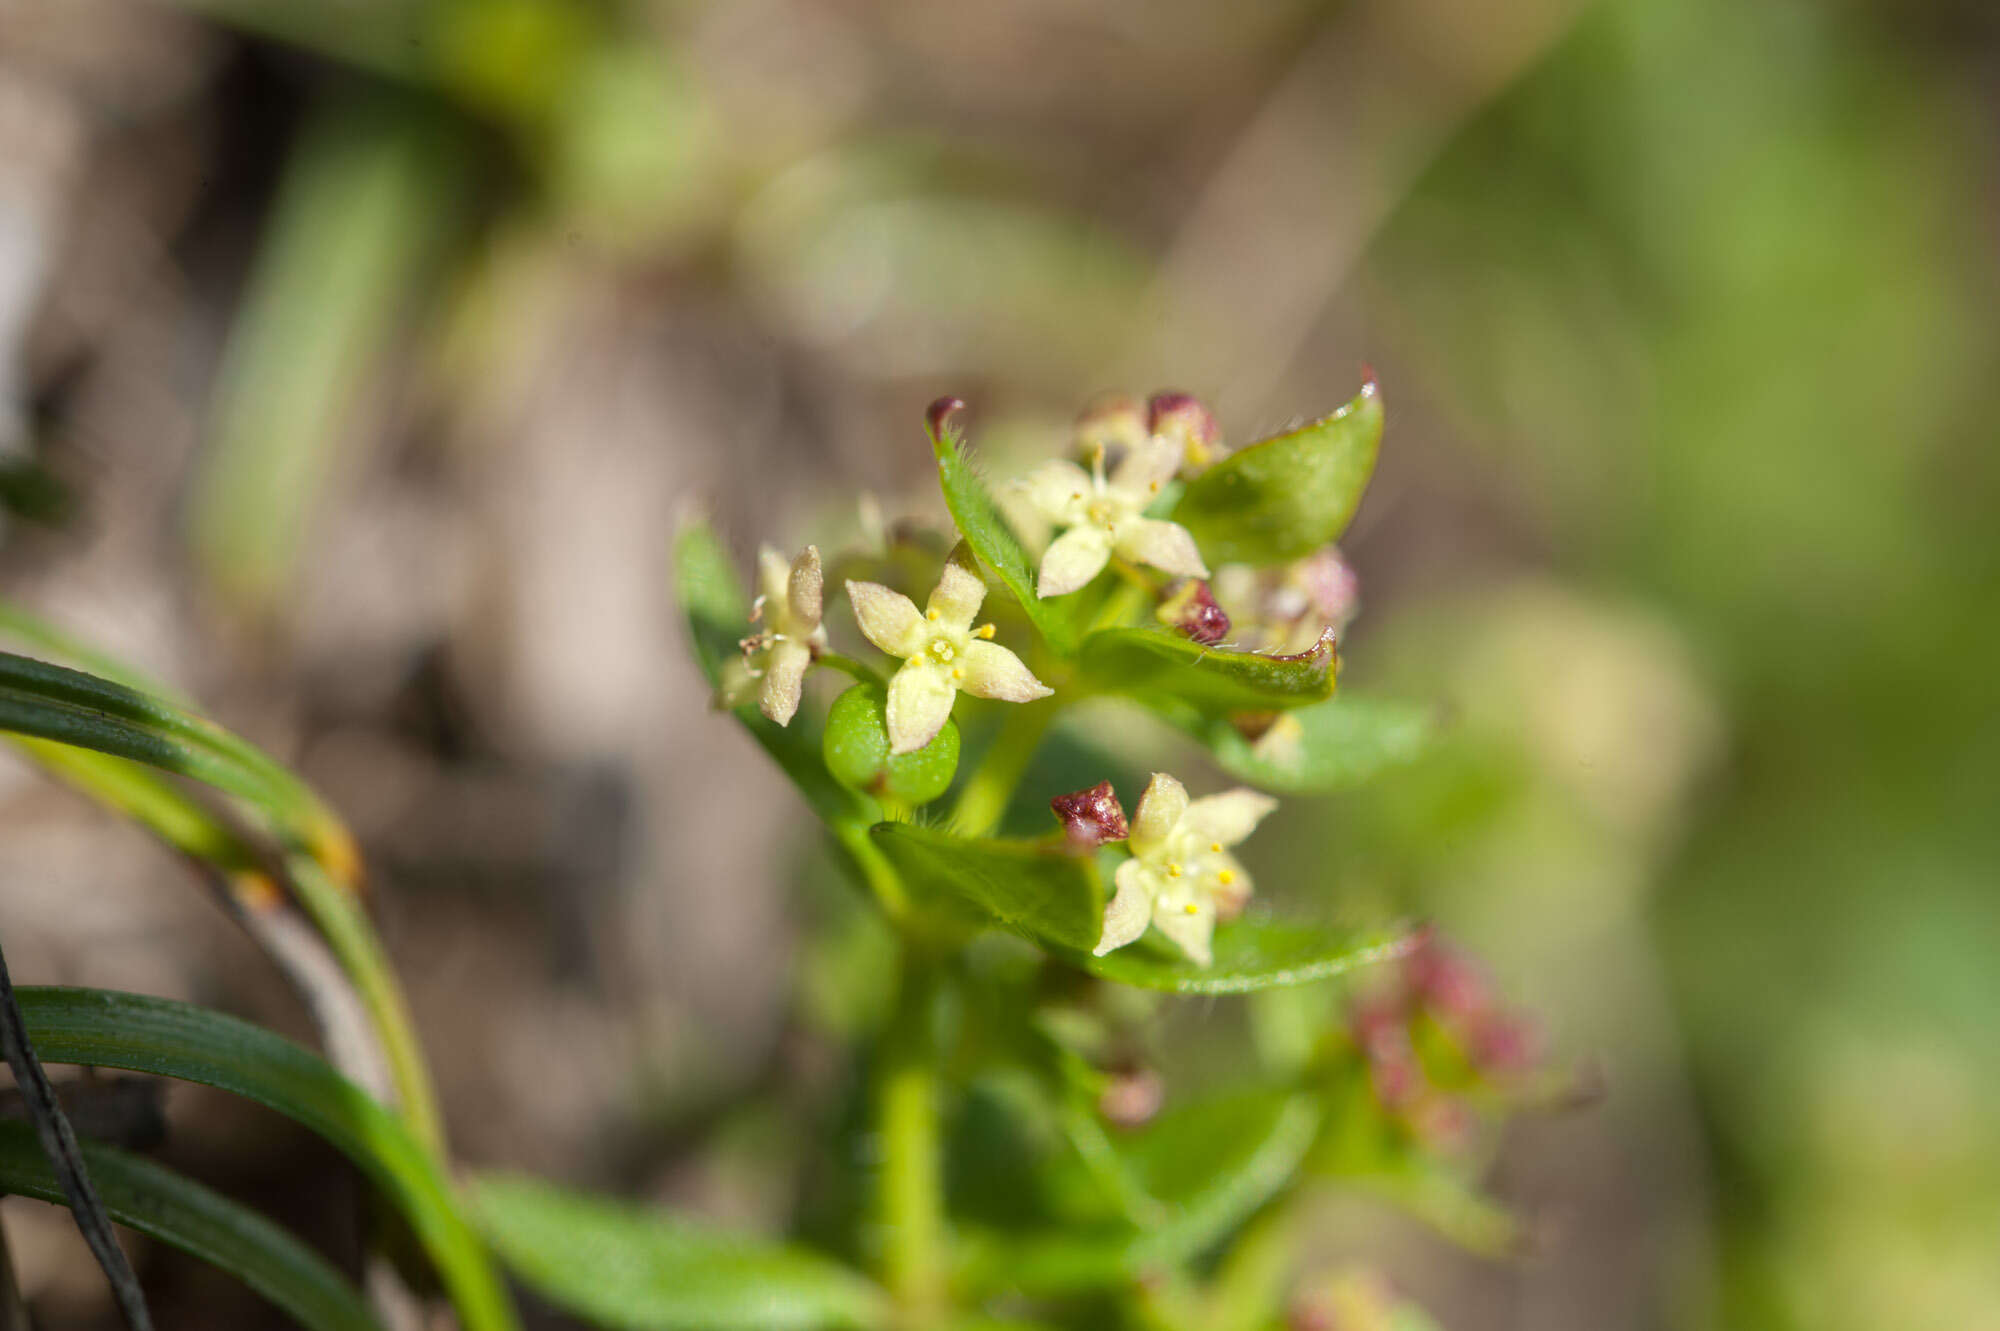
(856, 748)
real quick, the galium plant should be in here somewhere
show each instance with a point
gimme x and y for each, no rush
(1010, 1161)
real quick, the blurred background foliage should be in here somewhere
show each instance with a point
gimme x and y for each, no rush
(355, 357)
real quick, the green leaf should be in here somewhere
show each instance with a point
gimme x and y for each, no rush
(71, 707)
(177, 1211)
(1036, 889)
(1157, 666)
(980, 522)
(718, 614)
(1256, 952)
(1286, 496)
(135, 1033)
(642, 1269)
(1340, 744)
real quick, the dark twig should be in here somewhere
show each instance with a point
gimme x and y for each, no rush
(59, 1144)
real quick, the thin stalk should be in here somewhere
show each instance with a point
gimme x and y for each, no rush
(914, 1257)
(353, 940)
(984, 800)
(874, 868)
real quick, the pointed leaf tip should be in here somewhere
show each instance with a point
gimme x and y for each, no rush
(938, 414)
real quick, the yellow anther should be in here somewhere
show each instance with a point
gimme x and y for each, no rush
(957, 673)
(1173, 871)
(931, 615)
(1215, 846)
(1192, 909)
(1155, 487)
(1225, 878)
(983, 631)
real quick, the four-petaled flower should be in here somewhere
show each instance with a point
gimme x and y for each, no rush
(789, 601)
(1104, 516)
(942, 653)
(1181, 877)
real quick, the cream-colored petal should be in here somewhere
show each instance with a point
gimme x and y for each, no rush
(784, 680)
(991, 671)
(1189, 922)
(1147, 467)
(1166, 546)
(1227, 818)
(1073, 559)
(737, 683)
(1128, 913)
(773, 569)
(805, 591)
(1160, 810)
(920, 698)
(1228, 884)
(888, 618)
(1058, 490)
(960, 589)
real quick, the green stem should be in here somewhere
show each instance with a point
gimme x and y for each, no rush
(911, 1202)
(874, 867)
(847, 665)
(984, 800)
(355, 944)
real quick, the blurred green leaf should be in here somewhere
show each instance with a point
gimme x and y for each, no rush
(163, 1205)
(642, 1269)
(718, 614)
(1154, 665)
(29, 490)
(100, 1028)
(364, 200)
(1256, 952)
(1286, 496)
(1339, 744)
(980, 522)
(1033, 888)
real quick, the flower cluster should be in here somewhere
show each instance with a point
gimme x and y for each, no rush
(1181, 878)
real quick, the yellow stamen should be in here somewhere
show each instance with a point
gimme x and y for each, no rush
(957, 673)
(1215, 846)
(983, 631)
(931, 615)
(1155, 487)
(1192, 909)
(1225, 878)
(1173, 871)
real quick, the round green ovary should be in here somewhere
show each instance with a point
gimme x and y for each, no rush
(857, 751)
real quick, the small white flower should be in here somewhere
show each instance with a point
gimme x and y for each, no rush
(1104, 516)
(789, 602)
(942, 653)
(1181, 878)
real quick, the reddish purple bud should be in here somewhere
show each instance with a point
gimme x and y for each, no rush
(1451, 985)
(1092, 817)
(1507, 1046)
(1191, 608)
(939, 413)
(1330, 586)
(1182, 416)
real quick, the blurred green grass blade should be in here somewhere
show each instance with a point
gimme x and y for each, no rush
(1037, 890)
(980, 522)
(1286, 496)
(149, 798)
(73, 707)
(718, 615)
(136, 1033)
(177, 1211)
(65, 648)
(1256, 952)
(1335, 745)
(642, 1269)
(385, 36)
(365, 198)
(1154, 665)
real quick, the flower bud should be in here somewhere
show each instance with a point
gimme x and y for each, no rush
(1192, 609)
(1115, 422)
(856, 749)
(1182, 418)
(1091, 817)
(1132, 1097)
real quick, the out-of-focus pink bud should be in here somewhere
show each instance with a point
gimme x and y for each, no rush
(1132, 1098)
(1330, 585)
(1183, 418)
(1115, 421)
(1191, 608)
(1451, 985)
(1091, 817)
